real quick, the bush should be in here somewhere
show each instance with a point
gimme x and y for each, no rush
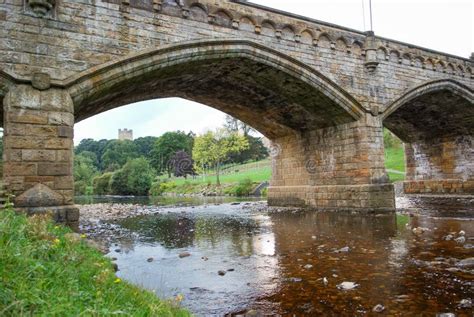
(158, 188)
(80, 188)
(243, 188)
(134, 178)
(101, 184)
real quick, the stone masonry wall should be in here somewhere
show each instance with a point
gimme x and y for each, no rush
(38, 150)
(440, 166)
(335, 168)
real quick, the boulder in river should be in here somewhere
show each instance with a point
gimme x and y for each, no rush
(184, 254)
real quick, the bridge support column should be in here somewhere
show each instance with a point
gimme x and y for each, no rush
(38, 151)
(440, 166)
(337, 168)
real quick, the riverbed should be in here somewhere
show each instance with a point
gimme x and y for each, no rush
(223, 256)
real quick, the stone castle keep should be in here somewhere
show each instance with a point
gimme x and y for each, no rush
(320, 92)
(125, 134)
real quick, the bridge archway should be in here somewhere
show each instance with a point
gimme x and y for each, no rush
(436, 122)
(266, 89)
(328, 151)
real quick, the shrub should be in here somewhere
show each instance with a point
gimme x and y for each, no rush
(80, 188)
(101, 184)
(243, 188)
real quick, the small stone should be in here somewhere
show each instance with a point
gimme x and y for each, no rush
(466, 263)
(460, 239)
(221, 273)
(308, 266)
(204, 258)
(150, 260)
(118, 250)
(313, 237)
(449, 237)
(445, 315)
(465, 303)
(325, 281)
(230, 270)
(420, 230)
(184, 254)
(115, 267)
(378, 308)
(462, 233)
(346, 286)
(342, 250)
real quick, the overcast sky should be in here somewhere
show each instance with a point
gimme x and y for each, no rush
(443, 25)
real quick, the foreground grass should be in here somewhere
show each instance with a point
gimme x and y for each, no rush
(395, 160)
(45, 272)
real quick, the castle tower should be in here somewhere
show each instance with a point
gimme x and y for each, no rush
(125, 134)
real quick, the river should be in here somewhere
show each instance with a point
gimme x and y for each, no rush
(224, 256)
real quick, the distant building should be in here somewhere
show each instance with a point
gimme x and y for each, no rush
(125, 134)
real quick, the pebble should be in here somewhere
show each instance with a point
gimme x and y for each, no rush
(221, 273)
(465, 303)
(460, 239)
(462, 233)
(150, 260)
(184, 254)
(449, 237)
(347, 286)
(378, 308)
(342, 250)
(325, 281)
(445, 315)
(308, 266)
(420, 230)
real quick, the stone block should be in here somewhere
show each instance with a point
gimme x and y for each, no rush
(38, 155)
(54, 169)
(39, 196)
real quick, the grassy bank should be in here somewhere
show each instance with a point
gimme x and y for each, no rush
(45, 271)
(395, 161)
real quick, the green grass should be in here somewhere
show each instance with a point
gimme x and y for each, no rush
(45, 272)
(395, 160)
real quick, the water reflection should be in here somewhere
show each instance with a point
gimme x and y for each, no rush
(292, 262)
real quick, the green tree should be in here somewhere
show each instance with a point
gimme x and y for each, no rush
(145, 146)
(84, 172)
(135, 178)
(96, 147)
(101, 184)
(117, 153)
(166, 147)
(213, 148)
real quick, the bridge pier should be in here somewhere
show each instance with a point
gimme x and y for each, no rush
(336, 168)
(440, 166)
(38, 150)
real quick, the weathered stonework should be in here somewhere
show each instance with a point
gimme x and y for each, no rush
(321, 92)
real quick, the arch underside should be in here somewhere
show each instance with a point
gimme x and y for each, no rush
(268, 95)
(433, 115)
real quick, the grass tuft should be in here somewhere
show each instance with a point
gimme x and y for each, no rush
(45, 272)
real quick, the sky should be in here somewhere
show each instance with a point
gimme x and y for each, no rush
(443, 25)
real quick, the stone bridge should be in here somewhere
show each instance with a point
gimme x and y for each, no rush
(322, 93)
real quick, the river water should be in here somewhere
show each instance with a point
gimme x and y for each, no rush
(244, 258)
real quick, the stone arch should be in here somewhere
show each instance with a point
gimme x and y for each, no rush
(406, 59)
(341, 44)
(268, 28)
(394, 56)
(247, 23)
(198, 12)
(307, 37)
(278, 93)
(418, 61)
(382, 53)
(460, 70)
(440, 66)
(288, 33)
(223, 18)
(429, 64)
(450, 69)
(324, 40)
(435, 108)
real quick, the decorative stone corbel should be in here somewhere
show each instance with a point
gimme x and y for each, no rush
(235, 24)
(278, 34)
(41, 7)
(297, 38)
(258, 29)
(185, 13)
(371, 62)
(157, 5)
(211, 19)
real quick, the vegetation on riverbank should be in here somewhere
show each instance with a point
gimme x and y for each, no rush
(45, 271)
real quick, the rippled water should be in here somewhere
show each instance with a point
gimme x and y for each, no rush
(292, 262)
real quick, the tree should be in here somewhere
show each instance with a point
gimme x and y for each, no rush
(117, 153)
(145, 146)
(96, 147)
(183, 164)
(84, 172)
(135, 178)
(213, 148)
(166, 147)
(101, 184)
(235, 125)
(255, 152)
